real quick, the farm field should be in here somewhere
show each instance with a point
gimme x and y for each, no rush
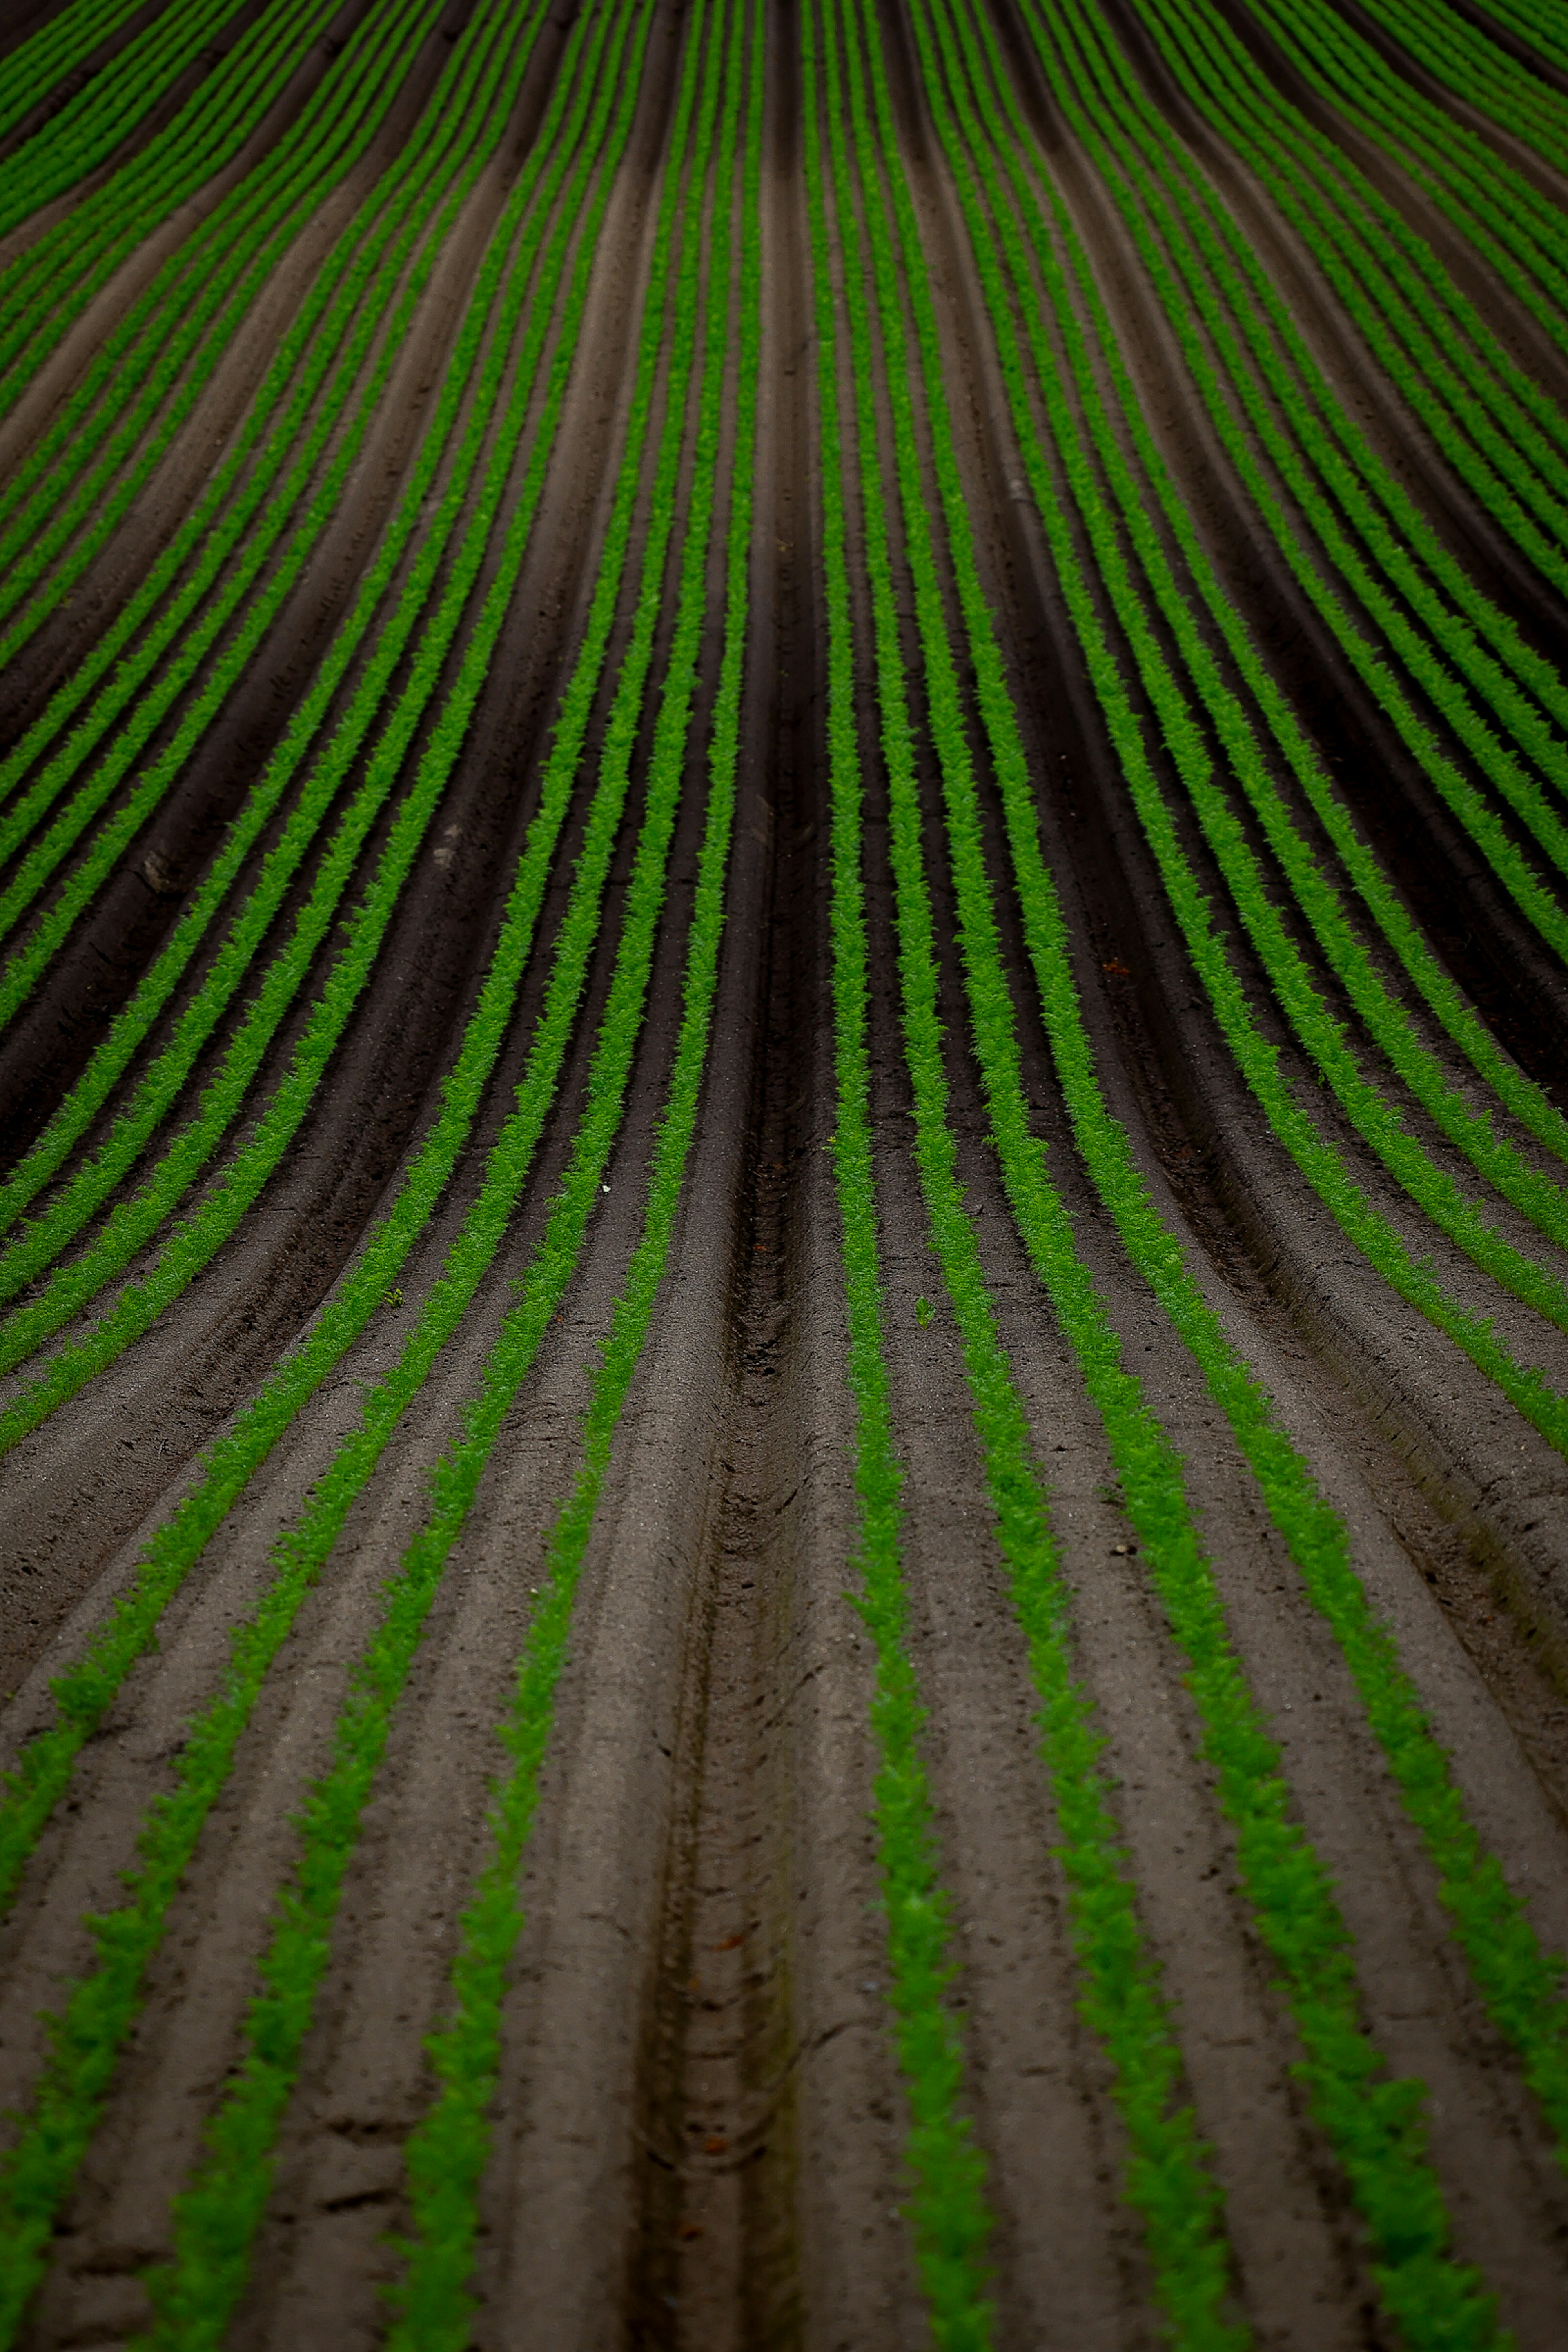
(783, 1175)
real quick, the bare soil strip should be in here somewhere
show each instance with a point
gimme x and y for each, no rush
(700, 2140)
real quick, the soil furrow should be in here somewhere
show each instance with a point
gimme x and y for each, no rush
(698, 2106)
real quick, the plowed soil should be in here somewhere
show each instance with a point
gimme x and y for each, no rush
(700, 2132)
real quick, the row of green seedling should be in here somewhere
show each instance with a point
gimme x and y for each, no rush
(1534, 21)
(1295, 991)
(1521, 1985)
(447, 2154)
(1459, 54)
(47, 1761)
(64, 503)
(196, 2299)
(232, 555)
(1387, 1021)
(1167, 2177)
(364, 282)
(1388, 254)
(1501, 435)
(1307, 461)
(1519, 238)
(948, 2211)
(134, 1222)
(49, 284)
(64, 41)
(131, 1026)
(1512, 227)
(237, 2165)
(89, 126)
(1390, 279)
(1372, 2123)
(1460, 795)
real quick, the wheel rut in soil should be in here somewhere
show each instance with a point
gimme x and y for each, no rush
(715, 2265)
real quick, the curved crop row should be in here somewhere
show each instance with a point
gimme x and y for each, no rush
(1456, 50)
(1315, 892)
(948, 2210)
(40, 63)
(211, 2222)
(134, 1222)
(1167, 2178)
(1322, 461)
(45, 1764)
(232, 2177)
(233, 555)
(45, 287)
(63, 483)
(447, 2153)
(1522, 1986)
(1372, 2123)
(1502, 434)
(1537, 1196)
(1516, 230)
(1533, 23)
(100, 2006)
(1111, 131)
(153, 367)
(160, 1087)
(1293, 986)
(1526, 1389)
(89, 126)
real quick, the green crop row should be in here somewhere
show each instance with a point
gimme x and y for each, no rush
(313, 344)
(1470, 177)
(216, 2216)
(1457, 51)
(66, 501)
(1301, 1005)
(1520, 1097)
(47, 286)
(1525, 1389)
(1101, 129)
(447, 2153)
(1521, 1985)
(40, 63)
(90, 125)
(1291, 982)
(1468, 164)
(135, 1219)
(234, 559)
(1501, 435)
(1516, 232)
(948, 2211)
(84, 474)
(1489, 77)
(232, 2176)
(1386, 250)
(1308, 463)
(131, 1026)
(1373, 2123)
(1026, 238)
(100, 2007)
(1167, 2178)
(158, 1088)
(45, 1766)
(1533, 22)
(1496, 1158)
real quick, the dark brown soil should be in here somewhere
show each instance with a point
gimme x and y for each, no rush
(700, 2135)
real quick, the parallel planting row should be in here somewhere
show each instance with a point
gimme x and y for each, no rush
(977, 587)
